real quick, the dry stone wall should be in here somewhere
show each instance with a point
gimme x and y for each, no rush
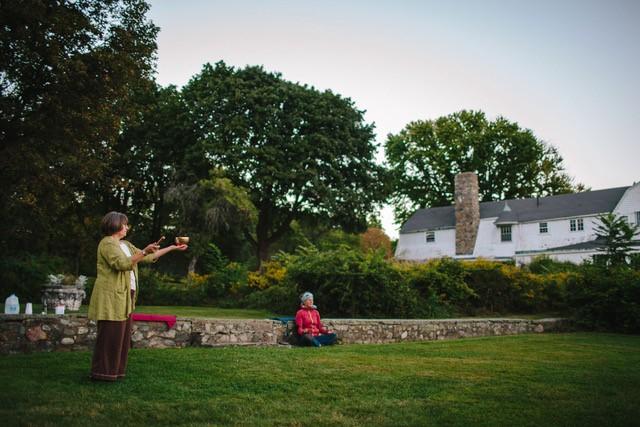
(31, 333)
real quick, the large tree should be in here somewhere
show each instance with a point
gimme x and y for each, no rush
(149, 156)
(297, 150)
(207, 208)
(511, 162)
(67, 70)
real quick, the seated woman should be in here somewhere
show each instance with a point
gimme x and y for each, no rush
(310, 328)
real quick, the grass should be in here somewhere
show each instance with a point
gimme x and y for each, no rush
(182, 311)
(211, 312)
(240, 313)
(579, 379)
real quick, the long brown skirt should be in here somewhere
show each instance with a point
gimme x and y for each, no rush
(112, 350)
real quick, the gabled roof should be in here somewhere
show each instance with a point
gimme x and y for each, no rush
(523, 210)
(507, 216)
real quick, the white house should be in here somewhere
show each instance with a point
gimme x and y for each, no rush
(561, 227)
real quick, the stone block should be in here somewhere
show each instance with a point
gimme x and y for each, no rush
(36, 333)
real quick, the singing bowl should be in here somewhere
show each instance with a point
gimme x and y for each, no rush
(182, 240)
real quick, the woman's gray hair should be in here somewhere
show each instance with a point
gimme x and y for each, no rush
(306, 296)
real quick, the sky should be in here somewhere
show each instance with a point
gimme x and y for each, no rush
(566, 69)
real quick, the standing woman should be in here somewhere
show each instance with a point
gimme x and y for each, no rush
(114, 295)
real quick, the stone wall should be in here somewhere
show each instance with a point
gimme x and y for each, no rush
(23, 333)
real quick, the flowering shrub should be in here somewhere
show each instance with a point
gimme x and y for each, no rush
(271, 273)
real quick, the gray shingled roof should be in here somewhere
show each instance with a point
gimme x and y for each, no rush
(524, 210)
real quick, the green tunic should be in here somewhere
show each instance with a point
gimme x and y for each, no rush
(111, 296)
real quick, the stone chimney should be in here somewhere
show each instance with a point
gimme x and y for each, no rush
(467, 206)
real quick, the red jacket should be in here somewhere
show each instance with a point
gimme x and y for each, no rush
(308, 322)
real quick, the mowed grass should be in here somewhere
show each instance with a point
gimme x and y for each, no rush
(180, 311)
(578, 379)
(207, 312)
(242, 313)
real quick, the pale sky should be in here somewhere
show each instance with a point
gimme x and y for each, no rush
(567, 70)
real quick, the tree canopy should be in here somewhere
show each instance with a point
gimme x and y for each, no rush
(208, 207)
(67, 72)
(511, 162)
(298, 151)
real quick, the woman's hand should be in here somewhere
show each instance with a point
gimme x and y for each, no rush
(151, 248)
(182, 247)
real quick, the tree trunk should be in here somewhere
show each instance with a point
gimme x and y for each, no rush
(156, 227)
(192, 265)
(263, 251)
(262, 236)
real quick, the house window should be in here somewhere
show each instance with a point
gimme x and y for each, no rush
(505, 233)
(576, 224)
(637, 218)
(431, 236)
(544, 228)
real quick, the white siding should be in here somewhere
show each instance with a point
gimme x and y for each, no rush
(488, 244)
(524, 237)
(414, 246)
(629, 204)
(559, 234)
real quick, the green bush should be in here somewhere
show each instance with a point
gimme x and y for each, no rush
(26, 275)
(440, 286)
(225, 280)
(160, 289)
(281, 299)
(495, 291)
(606, 298)
(348, 283)
(219, 287)
(505, 288)
(212, 260)
(545, 265)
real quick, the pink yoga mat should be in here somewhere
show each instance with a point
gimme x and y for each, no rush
(143, 317)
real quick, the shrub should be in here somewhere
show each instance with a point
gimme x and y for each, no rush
(271, 273)
(160, 289)
(347, 282)
(212, 260)
(281, 299)
(505, 288)
(221, 283)
(440, 285)
(492, 287)
(554, 291)
(545, 265)
(25, 276)
(606, 298)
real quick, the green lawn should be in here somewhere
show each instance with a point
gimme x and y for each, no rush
(211, 312)
(183, 311)
(576, 379)
(240, 313)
